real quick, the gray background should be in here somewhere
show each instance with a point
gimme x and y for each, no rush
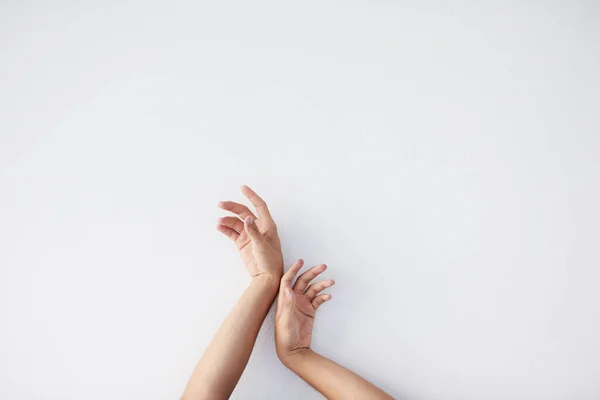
(441, 158)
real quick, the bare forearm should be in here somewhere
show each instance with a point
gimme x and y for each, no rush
(330, 378)
(223, 362)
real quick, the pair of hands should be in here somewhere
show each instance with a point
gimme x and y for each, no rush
(258, 243)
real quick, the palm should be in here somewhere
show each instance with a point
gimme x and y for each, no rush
(297, 306)
(247, 251)
(303, 318)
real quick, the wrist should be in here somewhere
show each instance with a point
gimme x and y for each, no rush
(266, 282)
(293, 358)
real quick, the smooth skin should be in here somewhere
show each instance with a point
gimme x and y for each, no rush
(223, 362)
(257, 241)
(296, 308)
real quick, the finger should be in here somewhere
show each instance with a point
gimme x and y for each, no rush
(306, 277)
(318, 287)
(320, 299)
(227, 231)
(233, 222)
(237, 208)
(254, 234)
(257, 202)
(288, 277)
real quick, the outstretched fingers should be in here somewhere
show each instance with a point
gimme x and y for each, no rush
(287, 294)
(258, 203)
(305, 278)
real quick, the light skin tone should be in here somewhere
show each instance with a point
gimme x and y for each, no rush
(223, 362)
(256, 239)
(296, 308)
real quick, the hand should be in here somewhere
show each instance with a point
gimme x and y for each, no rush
(296, 308)
(256, 238)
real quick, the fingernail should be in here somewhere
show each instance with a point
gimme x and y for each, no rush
(249, 220)
(288, 292)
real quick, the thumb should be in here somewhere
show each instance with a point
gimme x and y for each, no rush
(252, 231)
(286, 302)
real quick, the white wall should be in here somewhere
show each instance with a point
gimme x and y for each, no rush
(444, 160)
